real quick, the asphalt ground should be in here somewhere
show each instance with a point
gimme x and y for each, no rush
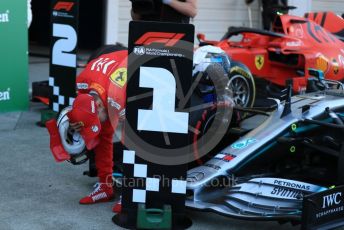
(37, 193)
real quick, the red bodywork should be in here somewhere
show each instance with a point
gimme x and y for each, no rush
(294, 45)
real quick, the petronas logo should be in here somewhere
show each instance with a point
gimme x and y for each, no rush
(5, 16)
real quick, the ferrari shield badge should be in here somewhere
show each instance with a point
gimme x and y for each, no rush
(259, 61)
(119, 77)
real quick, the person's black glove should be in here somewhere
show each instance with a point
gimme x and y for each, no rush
(143, 6)
(249, 1)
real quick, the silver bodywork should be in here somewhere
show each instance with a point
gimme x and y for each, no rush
(256, 198)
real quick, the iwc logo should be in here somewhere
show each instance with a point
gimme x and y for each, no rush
(139, 50)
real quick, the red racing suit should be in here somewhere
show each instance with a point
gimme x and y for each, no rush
(107, 75)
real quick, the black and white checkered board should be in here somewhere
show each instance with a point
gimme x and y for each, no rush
(59, 100)
(146, 182)
(150, 121)
(63, 58)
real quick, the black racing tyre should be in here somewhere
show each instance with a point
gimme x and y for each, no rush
(203, 127)
(243, 86)
(213, 123)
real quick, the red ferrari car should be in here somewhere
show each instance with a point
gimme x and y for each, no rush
(294, 45)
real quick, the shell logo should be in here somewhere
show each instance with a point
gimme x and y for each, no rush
(321, 63)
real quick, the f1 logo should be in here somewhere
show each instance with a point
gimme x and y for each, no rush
(332, 199)
(67, 6)
(169, 39)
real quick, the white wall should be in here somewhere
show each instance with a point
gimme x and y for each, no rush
(303, 7)
(214, 16)
(111, 21)
(123, 21)
(336, 6)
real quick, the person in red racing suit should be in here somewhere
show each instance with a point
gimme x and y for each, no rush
(95, 113)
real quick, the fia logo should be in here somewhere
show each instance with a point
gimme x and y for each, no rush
(332, 199)
(139, 50)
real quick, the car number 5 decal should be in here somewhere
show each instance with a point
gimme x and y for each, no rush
(162, 117)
